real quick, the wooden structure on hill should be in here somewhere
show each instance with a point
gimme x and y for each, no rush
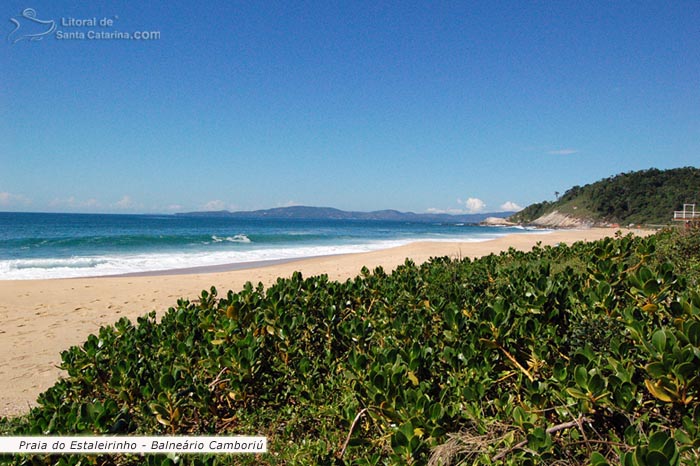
(688, 215)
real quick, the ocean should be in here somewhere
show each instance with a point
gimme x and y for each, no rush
(41, 245)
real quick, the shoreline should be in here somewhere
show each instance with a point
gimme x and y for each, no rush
(255, 258)
(40, 318)
(233, 266)
(203, 269)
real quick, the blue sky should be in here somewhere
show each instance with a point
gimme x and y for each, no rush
(455, 106)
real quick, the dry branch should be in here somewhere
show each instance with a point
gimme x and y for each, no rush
(549, 430)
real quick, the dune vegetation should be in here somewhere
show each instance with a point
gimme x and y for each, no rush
(582, 354)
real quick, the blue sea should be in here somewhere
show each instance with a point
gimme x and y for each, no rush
(39, 245)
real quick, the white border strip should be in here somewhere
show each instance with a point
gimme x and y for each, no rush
(97, 445)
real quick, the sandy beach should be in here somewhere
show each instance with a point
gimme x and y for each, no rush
(41, 318)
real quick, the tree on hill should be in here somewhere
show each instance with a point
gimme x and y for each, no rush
(646, 196)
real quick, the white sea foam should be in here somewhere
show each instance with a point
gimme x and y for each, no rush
(100, 265)
(54, 263)
(121, 264)
(232, 239)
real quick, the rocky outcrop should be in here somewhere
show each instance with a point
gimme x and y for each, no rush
(497, 221)
(558, 220)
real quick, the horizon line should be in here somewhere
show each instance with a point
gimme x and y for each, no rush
(253, 210)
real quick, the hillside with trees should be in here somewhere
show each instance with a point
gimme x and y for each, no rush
(641, 197)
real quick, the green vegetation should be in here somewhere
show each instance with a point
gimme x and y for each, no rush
(563, 355)
(681, 247)
(642, 197)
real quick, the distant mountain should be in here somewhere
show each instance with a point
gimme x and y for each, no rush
(329, 213)
(641, 197)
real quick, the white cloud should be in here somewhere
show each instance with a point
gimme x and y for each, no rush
(510, 206)
(9, 199)
(563, 152)
(474, 205)
(73, 203)
(124, 203)
(91, 203)
(216, 204)
(433, 210)
(174, 207)
(70, 202)
(288, 204)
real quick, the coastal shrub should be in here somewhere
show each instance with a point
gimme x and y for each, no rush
(681, 247)
(577, 354)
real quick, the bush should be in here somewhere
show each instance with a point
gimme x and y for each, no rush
(681, 247)
(517, 358)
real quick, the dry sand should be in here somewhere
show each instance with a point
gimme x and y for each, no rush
(41, 318)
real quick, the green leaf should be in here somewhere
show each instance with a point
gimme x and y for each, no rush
(598, 460)
(389, 413)
(656, 458)
(693, 333)
(681, 437)
(519, 415)
(407, 429)
(596, 384)
(159, 410)
(537, 438)
(657, 440)
(436, 412)
(644, 274)
(628, 459)
(576, 393)
(167, 381)
(91, 410)
(651, 287)
(659, 340)
(581, 377)
(686, 370)
(559, 371)
(656, 370)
